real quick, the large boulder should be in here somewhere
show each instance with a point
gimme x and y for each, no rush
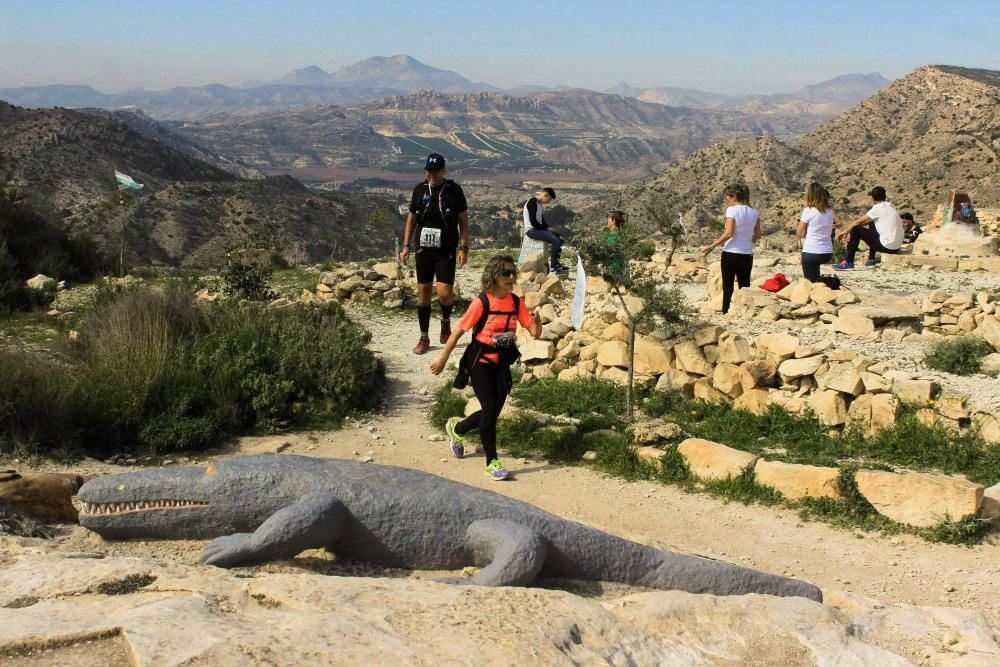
(40, 281)
(538, 350)
(793, 369)
(754, 401)
(778, 346)
(652, 357)
(915, 391)
(613, 353)
(706, 392)
(796, 481)
(874, 413)
(43, 496)
(676, 380)
(726, 379)
(691, 359)
(734, 349)
(390, 270)
(853, 324)
(758, 373)
(829, 406)
(990, 330)
(843, 377)
(709, 460)
(919, 499)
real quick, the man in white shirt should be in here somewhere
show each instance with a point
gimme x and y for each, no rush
(885, 235)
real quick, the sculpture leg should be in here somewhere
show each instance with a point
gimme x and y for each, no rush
(314, 522)
(515, 554)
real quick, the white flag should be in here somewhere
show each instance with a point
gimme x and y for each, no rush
(126, 181)
(579, 295)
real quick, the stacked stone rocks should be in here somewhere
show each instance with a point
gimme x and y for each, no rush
(385, 283)
(961, 313)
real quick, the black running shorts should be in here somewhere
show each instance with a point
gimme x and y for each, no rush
(433, 263)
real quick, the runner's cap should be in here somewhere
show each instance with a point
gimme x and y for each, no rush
(435, 162)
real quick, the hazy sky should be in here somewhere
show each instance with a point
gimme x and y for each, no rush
(724, 46)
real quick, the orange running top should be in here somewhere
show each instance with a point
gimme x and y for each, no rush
(501, 320)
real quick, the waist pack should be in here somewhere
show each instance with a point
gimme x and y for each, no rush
(833, 282)
(504, 345)
(775, 284)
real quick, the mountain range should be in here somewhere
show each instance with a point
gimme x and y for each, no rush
(380, 77)
(575, 131)
(935, 130)
(189, 211)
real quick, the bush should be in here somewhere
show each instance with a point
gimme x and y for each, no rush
(247, 277)
(154, 369)
(29, 245)
(448, 403)
(961, 355)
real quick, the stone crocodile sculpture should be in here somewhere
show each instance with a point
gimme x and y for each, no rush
(261, 508)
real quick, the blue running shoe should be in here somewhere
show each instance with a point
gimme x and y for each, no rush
(843, 266)
(457, 441)
(496, 471)
(870, 263)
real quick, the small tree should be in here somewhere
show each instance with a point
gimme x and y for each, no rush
(667, 224)
(615, 258)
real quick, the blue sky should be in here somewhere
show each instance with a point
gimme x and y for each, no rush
(723, 46)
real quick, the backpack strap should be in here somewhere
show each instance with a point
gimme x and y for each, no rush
(481, 324)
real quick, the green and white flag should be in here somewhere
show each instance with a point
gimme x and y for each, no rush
(126, 181)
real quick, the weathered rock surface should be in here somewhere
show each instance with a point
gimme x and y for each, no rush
(709, 460)
(919, 499)
(796, 481)
(45, 497)
(181, 614)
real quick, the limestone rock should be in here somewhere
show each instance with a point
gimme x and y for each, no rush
(390, 270)
(650, 454)
(829, 406)
(734, 349)
(709, 460)
(652, 357)
(553, 286)
(706, 392)
(754, 401)
(990, 330)
(793, 369)
(989, 428)
(472, 406)
(778, 346)
(676, 380)
(653, 432)
(874, 412)
(991, 503)
(40, 281)
(796, 481)
(853, 325)
(691, 359)
(533, 300)
(43, 496)
(919, 499)
(822, 294)
(758, 373)
(799, 291)
(613, 353)
(726, 379)
(534, 264)
(915, 392)
(708, 335)
(538, 350)
(616, 331)
(843, 378)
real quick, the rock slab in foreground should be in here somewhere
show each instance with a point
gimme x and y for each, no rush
(709, 460)
(197, 615)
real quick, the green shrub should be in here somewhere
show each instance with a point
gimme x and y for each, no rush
(961, 355)
(247, 277)
(969, 531)
(447, 403)
(743, 488)
(598, 404)
(151, 368)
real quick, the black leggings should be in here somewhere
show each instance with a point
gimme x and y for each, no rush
(871, 238)
(735, 266)
(811, 262)
(486, 383)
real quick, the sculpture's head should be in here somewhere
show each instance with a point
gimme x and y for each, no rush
(180, 502)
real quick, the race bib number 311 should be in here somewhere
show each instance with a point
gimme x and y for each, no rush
(430, 237)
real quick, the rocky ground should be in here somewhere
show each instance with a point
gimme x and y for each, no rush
(894, 599)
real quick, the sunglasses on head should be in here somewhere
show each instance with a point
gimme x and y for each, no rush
(507, 273)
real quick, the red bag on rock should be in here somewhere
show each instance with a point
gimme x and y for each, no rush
(775, 284)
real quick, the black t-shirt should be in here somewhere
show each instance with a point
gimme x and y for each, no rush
(453, 205)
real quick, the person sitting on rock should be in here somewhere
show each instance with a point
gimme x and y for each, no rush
(911, 230)
(493, 318)
(886, 237)
(535, 226)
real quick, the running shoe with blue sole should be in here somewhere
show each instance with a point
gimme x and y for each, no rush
(496, 471)
(456, 441)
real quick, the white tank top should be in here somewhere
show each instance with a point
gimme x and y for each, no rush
(745, 218)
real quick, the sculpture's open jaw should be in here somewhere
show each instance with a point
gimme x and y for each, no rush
(129, 507)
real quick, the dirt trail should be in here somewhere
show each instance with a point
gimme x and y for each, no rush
(903, 569)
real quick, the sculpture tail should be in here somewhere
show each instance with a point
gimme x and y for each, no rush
(703, 575)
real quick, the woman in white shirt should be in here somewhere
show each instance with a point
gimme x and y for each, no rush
(742, 231)
(816, 231)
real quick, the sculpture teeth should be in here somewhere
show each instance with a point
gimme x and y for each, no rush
(137, 505)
